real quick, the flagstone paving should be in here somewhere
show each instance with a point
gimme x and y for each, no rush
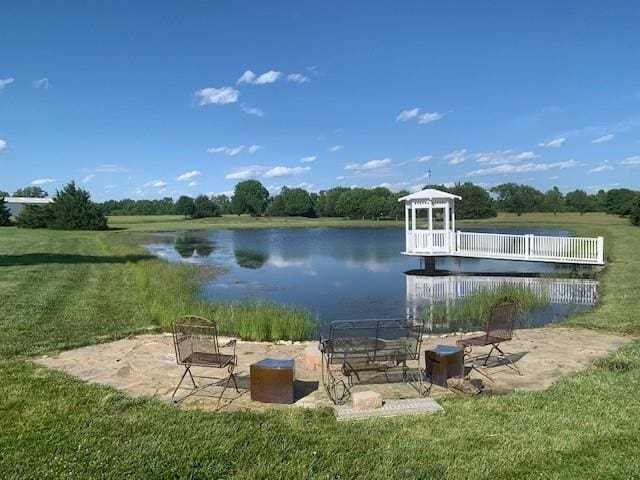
(145, 365)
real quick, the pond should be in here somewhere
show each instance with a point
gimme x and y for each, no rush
(352, 273)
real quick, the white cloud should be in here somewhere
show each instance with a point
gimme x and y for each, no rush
(43, 181)
(456, 157)
(254, 148)
(188, 176)
(217, 96)
(3, 145)
(267, 77)
(424, 158)
(309, 159)
(5, 81)
(285, 171)
(429, 117)
(423, 118)
(631, 161)
(509, 169)
(394, 187)
(155, 184)
(42, 83)
(406, 115)
(340, 177)
(505, 156)
(600, 168)
(244, 173)
(297, 78)
(258, 112)
(336, 148)
(603, 138)
(192, 184)
(555, 143)
(247, 77)
(88, 178)
(231, 151)
(368, 166)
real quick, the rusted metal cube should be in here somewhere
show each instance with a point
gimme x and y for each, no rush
(444, 362)
(272, 380)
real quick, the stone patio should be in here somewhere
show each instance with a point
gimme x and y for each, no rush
(145, 365)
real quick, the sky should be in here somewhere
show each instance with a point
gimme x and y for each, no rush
(154, 99)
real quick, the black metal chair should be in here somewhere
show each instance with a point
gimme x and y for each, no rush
(195, 340)
(358, 346)
(498, 329)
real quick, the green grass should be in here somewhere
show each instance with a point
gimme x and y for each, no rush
(54, 426)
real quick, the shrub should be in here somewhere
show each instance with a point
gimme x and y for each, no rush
(73, 209)
(5, 214)
(35, 216)
(204, 207)
(634, 215)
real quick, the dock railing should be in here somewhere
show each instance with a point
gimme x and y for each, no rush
(542, 248)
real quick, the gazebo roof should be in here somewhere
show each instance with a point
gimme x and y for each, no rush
(429, 194)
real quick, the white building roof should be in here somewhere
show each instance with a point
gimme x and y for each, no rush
(429, 194)
(28, 200)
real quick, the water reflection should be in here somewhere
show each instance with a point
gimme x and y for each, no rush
(193, 244)
(343, 273)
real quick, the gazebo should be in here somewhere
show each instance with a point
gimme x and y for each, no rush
(429, 240)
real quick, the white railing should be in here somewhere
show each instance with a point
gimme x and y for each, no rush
(506, 246)
(584, 292)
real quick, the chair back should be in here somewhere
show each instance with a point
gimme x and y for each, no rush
(502, 317)
(377, 340)
(192, 336)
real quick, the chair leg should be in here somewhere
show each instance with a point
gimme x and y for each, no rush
(186, 370)
(507, 359)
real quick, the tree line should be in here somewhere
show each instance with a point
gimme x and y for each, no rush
(252, 198)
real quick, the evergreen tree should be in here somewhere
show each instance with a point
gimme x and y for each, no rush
(72, 209)
(5, 214)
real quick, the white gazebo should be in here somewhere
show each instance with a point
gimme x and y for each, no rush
(429, 240)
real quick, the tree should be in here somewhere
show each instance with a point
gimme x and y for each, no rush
(327, 200)
(297, 202)
(352, 203)
(250, 197)
(185, 206)
(31, 192)
(204, 207)
(375, 206)
(35, 216)
(619, 201)
(4, 194)
(5, 214)
(276, 207)
(72, 209)
(518, 199)
(554, 200)
(476, 201)
(634, 214)
(223, 203)
(578, 200)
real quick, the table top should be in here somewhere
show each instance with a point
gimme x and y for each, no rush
(445, 349)
(275, 363)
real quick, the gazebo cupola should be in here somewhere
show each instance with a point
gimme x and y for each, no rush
(427, 237)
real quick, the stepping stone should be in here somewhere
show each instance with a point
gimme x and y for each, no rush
(391, 408)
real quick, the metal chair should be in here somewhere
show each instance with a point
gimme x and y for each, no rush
(195, 340)
(499, 328)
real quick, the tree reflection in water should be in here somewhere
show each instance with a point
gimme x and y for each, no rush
(251, 259)
(191, 244)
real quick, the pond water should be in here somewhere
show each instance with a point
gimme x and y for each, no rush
(344, 273)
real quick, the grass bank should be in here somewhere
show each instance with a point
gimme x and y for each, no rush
(54, 426)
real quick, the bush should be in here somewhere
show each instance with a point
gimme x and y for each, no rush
(634, 215)
(204, 207)
(73, 210)
(35, 216)
(5, 214)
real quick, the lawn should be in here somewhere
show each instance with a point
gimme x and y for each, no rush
(62, 289)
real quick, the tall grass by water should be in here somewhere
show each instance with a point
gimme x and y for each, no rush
(474, 308)
(170, 290)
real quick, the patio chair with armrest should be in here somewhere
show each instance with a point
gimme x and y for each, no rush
(195, 340)
(498, 329)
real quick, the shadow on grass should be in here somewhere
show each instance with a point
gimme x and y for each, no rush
(63, 258)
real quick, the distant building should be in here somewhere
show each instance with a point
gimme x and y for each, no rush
(16, 204)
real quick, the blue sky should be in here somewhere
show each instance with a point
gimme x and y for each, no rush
(144, 100)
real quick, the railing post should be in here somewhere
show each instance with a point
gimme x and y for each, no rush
(527, 246)
(600, 250)
(457, 247)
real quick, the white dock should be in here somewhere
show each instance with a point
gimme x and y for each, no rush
(446, 241)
